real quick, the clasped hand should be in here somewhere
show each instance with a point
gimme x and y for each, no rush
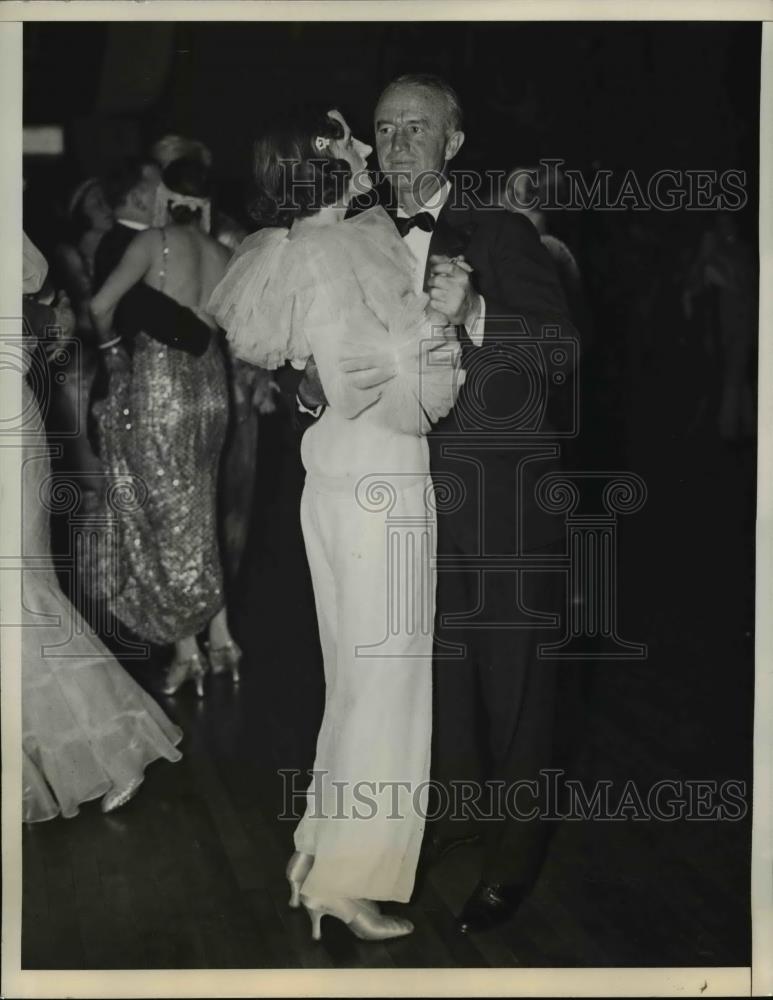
(452, 300)
(450, 289)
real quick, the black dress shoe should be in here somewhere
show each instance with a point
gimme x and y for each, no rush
(489, 906)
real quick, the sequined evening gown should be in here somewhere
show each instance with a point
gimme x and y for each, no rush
(88, 729)
(161, 431)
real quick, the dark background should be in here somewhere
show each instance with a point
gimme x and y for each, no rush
(619, 96)
(638, 96)
(634, 95)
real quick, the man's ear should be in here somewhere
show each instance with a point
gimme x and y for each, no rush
(453, 144)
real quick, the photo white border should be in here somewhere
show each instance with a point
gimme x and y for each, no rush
(691, 981)
(762, 792)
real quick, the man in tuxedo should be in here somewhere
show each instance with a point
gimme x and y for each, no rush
(486, 270)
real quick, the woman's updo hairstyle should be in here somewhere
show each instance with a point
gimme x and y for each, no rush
(296, 175)
(190, 177)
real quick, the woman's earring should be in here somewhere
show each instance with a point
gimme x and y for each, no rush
(321, 143)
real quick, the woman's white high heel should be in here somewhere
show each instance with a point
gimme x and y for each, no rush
(361, 919)
(298, 867)
(180, 671)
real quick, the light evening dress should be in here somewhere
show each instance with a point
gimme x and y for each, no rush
(339, 292)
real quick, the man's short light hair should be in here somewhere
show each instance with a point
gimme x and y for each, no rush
(441, 88)
(172, 147)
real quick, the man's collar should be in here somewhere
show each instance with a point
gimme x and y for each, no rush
(438, 201)
(131, 224)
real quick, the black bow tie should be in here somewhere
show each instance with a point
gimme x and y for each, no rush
(424, 220)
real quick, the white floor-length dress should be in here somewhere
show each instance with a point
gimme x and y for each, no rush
(343, 293)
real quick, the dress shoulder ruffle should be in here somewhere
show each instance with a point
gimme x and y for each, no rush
(262, 298)
(276, 276)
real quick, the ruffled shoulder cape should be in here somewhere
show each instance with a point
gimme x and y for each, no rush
(277, 275)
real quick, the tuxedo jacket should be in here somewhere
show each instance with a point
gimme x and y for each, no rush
(144, 308)
(518, 407)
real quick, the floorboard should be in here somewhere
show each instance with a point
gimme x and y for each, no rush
(190, 874)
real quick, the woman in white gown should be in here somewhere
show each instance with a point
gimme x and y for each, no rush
(88, 730)
(341, 290)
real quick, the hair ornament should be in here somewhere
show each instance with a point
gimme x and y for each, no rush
(167, 199)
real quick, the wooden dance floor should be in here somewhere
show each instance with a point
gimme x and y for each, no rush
(190, 874)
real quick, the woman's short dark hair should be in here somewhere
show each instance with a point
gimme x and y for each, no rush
(188, 176)
(293, 178)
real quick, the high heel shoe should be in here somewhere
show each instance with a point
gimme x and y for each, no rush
(225, 658)
(364, 922)
(298, 867)
(181, 671)
(120, 796)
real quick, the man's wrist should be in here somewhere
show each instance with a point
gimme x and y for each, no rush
(475, 319)
(473, 310)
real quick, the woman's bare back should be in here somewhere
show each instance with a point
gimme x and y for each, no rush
(191, 268)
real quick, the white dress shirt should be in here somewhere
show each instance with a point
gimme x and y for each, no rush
(418, 242)
(131, 224)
